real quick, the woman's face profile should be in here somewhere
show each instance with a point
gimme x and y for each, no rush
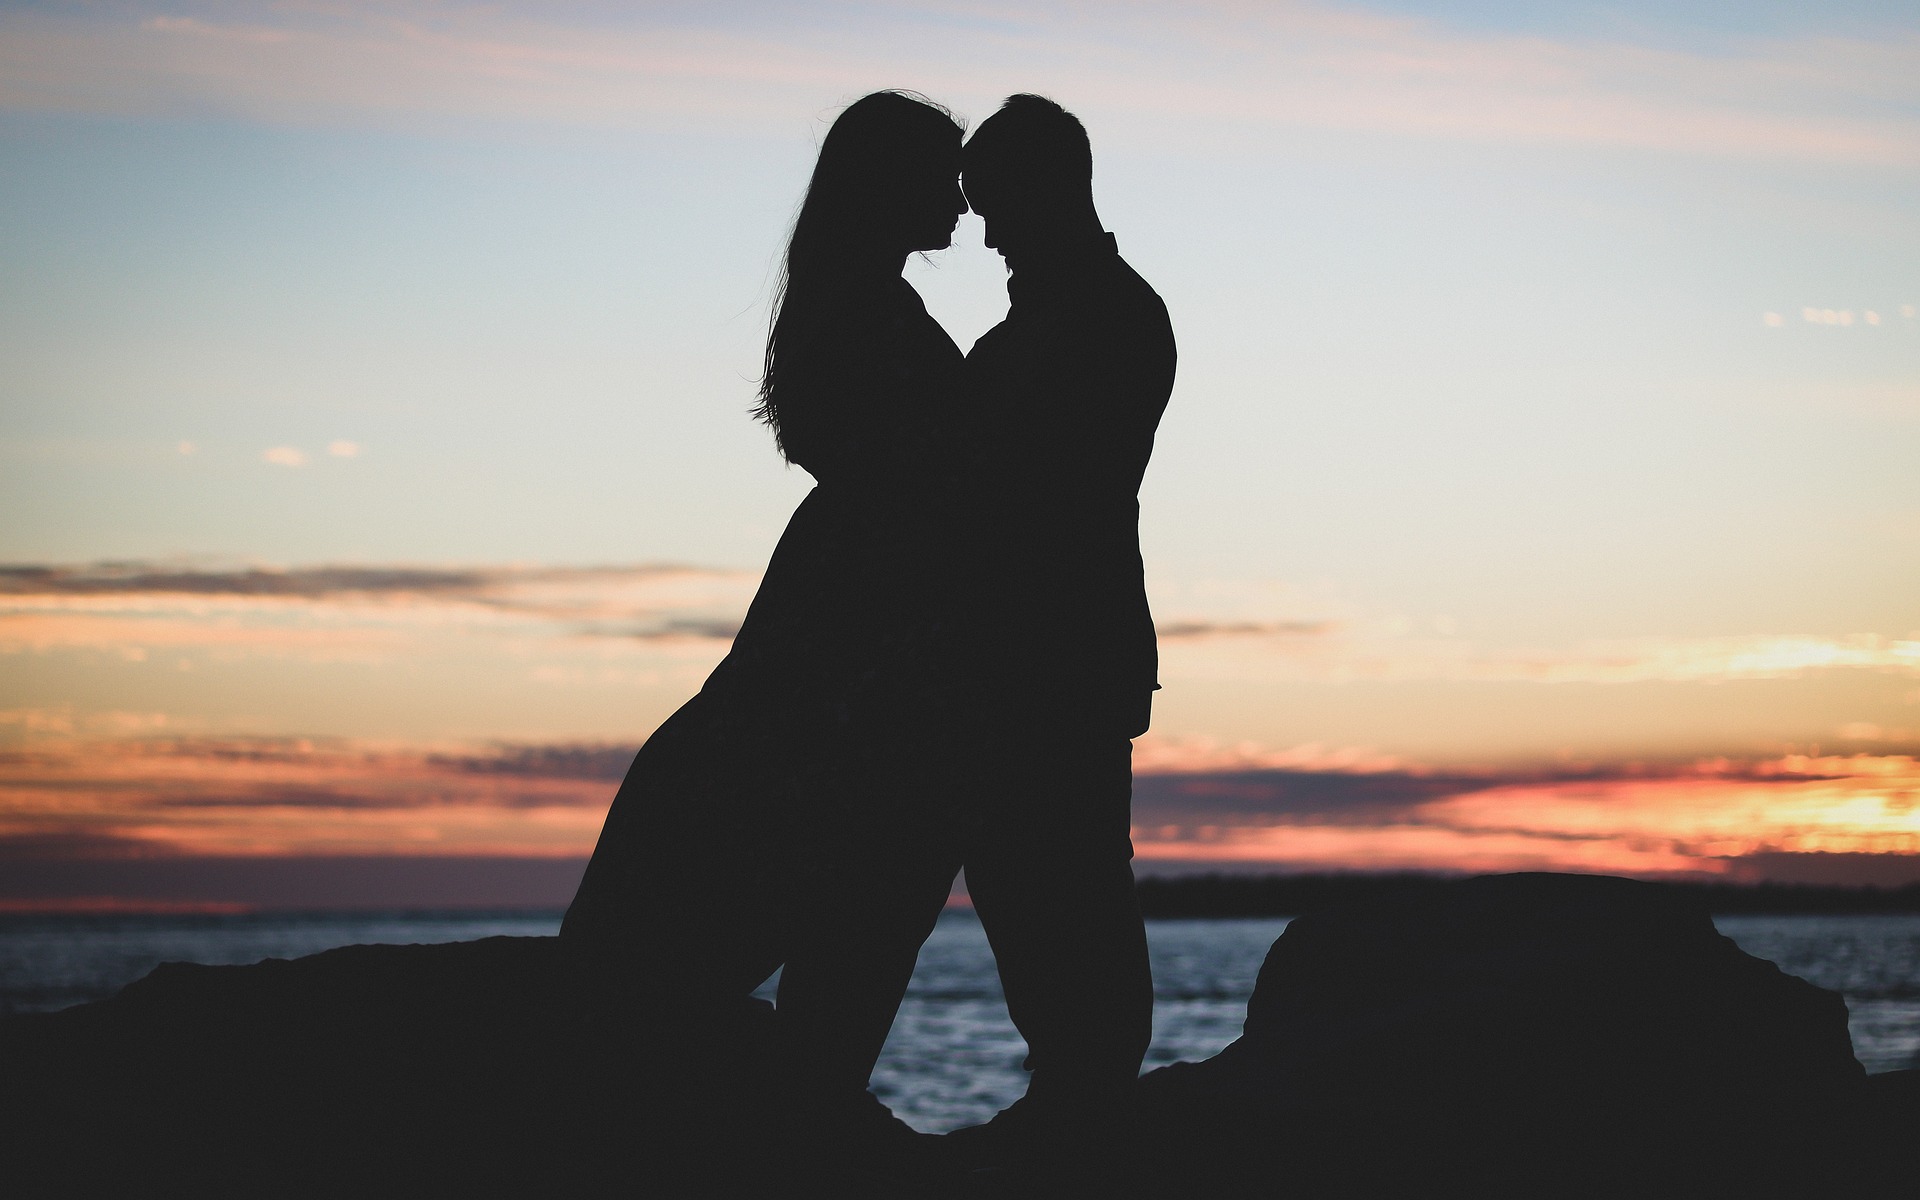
(927, 202)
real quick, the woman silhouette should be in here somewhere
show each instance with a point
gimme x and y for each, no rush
(758, 824)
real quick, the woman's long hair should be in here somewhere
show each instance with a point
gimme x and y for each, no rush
(834, 234)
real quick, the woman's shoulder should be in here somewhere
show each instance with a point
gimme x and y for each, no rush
(917, 328)
(874, 321)
(889, 309)
(850, 313)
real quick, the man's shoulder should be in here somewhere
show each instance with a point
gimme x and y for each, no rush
(988, 342)
(1127, 304)
(1134, 285)
(1123, 269)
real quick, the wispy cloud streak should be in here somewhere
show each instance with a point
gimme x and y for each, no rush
(368, 612)
(72, 798)
(1710, 817)
(135, 798)
(330, 611)
(1278, 66)
(1382, 652)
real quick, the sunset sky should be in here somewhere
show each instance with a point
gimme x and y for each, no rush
(1541, 488)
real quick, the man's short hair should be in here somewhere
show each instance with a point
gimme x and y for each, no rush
(1037, 140)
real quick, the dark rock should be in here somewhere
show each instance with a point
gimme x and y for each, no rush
(458, 1069)
(1536, 1035)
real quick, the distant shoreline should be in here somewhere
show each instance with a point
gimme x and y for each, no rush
(1214, 895)
(1251, 895)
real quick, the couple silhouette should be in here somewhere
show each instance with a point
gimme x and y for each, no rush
(944, 666)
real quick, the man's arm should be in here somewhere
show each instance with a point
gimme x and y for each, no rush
(1107, 382)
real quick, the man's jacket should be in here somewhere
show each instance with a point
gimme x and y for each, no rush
(1065, 396)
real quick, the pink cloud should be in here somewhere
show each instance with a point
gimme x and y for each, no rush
(78, 798)
(1709, 817)
(1292, 66)
(332, 613)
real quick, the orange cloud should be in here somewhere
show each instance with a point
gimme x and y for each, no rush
(331, 612)
(76, 798)
(293, 796)
(104, 781)
(1862, 805)
(1411, 848)
(1703, 818)
(133, 633)
(1384, 650)
(1154, 754)
(356, 611)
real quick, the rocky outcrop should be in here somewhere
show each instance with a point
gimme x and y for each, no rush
(383, 1071)
(1536, 1035)
(1529, 1035)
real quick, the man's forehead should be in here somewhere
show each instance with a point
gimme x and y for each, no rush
(984, 145)
(983, 165)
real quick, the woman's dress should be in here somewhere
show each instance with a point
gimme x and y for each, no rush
(783, 771)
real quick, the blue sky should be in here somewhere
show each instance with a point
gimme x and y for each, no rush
(1553, 364)
(1519, 355)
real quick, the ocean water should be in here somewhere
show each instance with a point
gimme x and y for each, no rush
(953, 1058)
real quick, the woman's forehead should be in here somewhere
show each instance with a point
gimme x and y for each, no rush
(934, 154)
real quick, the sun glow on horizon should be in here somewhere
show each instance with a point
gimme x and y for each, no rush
(141, 797)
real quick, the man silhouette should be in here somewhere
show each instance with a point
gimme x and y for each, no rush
(1067, 393)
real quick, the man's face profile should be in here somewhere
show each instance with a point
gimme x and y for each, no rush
(986, 192)
(1024, 188)
(984, 180)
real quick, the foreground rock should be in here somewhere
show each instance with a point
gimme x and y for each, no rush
(1533, 1035)
(390, 1071)
(1526, 1035)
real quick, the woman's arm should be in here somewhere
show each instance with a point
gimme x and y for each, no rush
(857, 394)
